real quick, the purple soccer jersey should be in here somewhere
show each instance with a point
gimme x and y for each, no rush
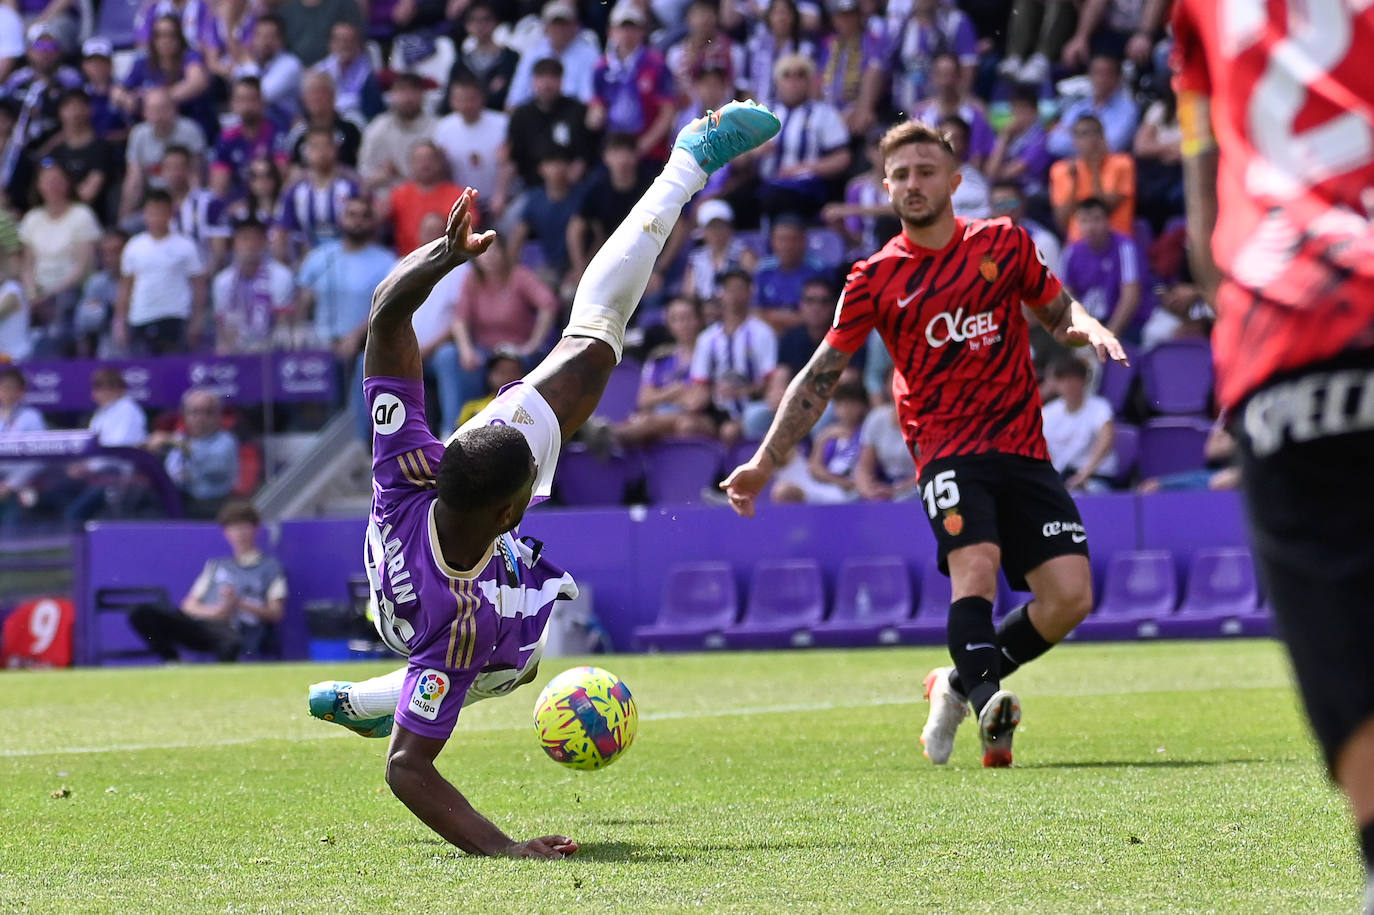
(455, 626)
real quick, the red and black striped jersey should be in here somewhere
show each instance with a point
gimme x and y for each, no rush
(951, 318)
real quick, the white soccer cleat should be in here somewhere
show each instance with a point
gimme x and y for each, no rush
(997, 726)
(948, 710)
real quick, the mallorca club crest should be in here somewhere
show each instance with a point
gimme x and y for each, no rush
(989, 269)
(954, 522)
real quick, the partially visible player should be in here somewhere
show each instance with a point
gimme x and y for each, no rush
(456, 591)
(945, 295)
(1276, 100)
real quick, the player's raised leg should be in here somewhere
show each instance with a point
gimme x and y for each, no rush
(573, 376)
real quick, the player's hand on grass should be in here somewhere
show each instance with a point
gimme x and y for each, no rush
(463, 243)
(744, 485)
(542, 847)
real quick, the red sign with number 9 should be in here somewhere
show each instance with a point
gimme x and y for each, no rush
(38, 634)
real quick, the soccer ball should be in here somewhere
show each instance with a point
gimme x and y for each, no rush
(586, 718)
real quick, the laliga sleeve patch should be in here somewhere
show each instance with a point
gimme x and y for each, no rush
(388, 414)
(429, 693)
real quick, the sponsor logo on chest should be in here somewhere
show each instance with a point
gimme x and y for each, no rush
(978, 331)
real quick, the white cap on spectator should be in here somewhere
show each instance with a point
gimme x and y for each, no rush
(40, 31)
(559, 9)
(97, 47)
(711, 210)
(626, 12)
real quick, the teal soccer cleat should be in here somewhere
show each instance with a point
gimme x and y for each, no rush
(722, 135)
(327, 704)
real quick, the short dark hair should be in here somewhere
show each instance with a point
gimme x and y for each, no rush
(953, 121)
(1090, 119)
(466, 81)
(734, 273)
(821, 282)
(622, 140)
(556, 152)
(1092, 203)
(409, 80)
(107, 376)
(548, 66)
(12, 373)
(74, 95)
(273, 20)
(177, 149)
(1069, 367)
(238, 511)
(1007, 184)
(252, 82)
(908, 132)
(157, 195)
(482, 466)
(788, 221)
(249, 223)
(1026, 93)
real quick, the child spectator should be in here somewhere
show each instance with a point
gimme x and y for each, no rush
(1079, 430)
(502, 368)
(662, 407)
(1102, 269)
(720, 250)
(827, 476)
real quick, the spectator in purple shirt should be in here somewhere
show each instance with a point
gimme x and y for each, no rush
(852, 68)
(171, 64)
(934, 28)
(98, 69)
(310, 209)
(632, 90)
(227, 31)
(192, 16)
(1102, 269)
(1020, 153)
(865, 218)
(251, 138)
(949, 99)
(358, 94)
(782, 274)
(37, 89)
(662, 406)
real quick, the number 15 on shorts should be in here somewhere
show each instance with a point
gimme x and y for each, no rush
(940, 493)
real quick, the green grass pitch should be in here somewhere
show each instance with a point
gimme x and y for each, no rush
(1174, 777)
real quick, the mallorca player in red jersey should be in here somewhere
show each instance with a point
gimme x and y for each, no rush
(946, 296)
(1276, 100)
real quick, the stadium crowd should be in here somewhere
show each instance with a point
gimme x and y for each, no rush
(244, 174)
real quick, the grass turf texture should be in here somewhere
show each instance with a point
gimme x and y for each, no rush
(1173, 777)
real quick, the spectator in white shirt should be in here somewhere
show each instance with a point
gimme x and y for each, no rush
(1079, 430)
(15, 343)
(15, 419)
(473, 139)
(118, 422)
(162, 286)
(277, 69)
(59, 237)
(563, 42)
(384, 159)
(732, 361)
(799, 167)
(251, 294)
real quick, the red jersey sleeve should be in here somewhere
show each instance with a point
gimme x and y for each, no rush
(1038, 285)
(1187, 58)
(855, 312)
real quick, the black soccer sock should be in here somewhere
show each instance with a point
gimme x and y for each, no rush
(1367, 846)
(1019, 640)
(973, 646)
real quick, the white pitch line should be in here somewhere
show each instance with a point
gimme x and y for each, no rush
(743, 711)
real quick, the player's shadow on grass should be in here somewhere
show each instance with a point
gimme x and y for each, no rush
(1145, 763)
(685, 851)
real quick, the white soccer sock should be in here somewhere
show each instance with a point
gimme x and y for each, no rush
(376, 697)
(616, 278)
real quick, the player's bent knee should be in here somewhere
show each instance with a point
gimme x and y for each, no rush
(973, 571)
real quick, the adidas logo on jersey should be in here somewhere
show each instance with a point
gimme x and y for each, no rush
(522, 416)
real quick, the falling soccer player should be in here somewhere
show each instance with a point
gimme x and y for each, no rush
(456, 591)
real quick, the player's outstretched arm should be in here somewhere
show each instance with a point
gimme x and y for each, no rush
(392, 348)
(1199, 187)
(416, 783)
(799, 411)
(1071, 325)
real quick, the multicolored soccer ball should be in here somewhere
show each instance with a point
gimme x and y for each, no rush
(586, 718)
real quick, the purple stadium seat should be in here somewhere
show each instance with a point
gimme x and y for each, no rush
(585, 479)
(932, 609)
(826, 246)
(115, 21)
(1177, 376)
(677, 470)
(1117, 379)
(1126, 445)
(622, 391)
(754, 241)
(699, 601)
(1141, 590)
(1170, 444)
(872, 596)
(1222, 595)
(786, 598)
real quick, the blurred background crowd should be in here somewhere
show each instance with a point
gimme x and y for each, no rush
(236, 176)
